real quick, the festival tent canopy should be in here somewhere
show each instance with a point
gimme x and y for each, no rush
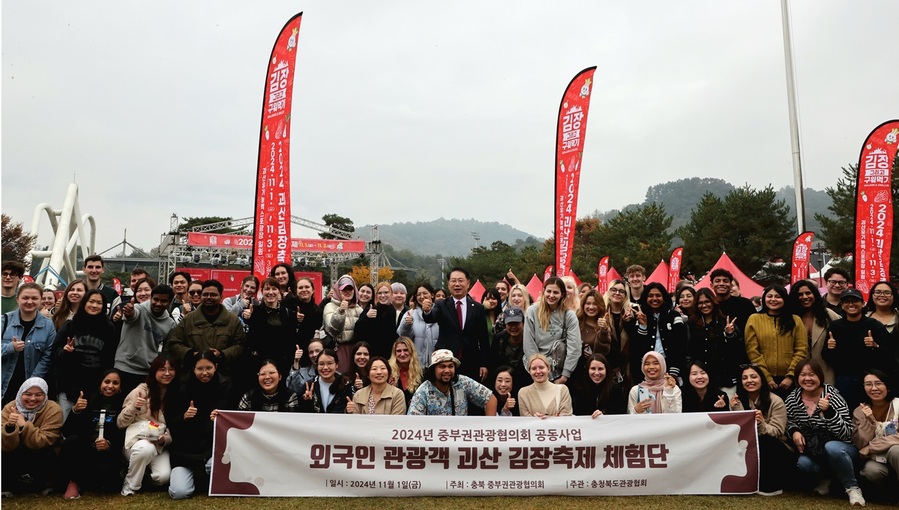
(577, 281)
(748, 288)
(534, 287)
(660, 275)
(477, 291)
(613, 274)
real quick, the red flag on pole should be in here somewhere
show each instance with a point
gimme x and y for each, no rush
(674, 264)
(874, 206)
(271, 217)
(802, 250)
(570, 131)
(602, 273)
(547, 272)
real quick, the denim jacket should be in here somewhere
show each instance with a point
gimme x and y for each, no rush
(38, 346)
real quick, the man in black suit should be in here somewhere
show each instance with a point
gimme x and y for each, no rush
(463, 325)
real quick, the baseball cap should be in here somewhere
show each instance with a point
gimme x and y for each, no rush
(513, 314)
(851, 294)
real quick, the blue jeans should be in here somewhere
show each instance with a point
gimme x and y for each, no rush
(181, 483)
(840, 458)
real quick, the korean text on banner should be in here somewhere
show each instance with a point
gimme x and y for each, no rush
(802, 251)
(874, 206)
(570, 132)
(602, 275)
(674, 265)
(261, 454)
(271, 217)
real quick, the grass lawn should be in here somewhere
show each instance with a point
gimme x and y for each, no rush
(160, 500)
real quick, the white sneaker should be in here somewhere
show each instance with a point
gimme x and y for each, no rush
(823, 488)
(126, 490)
(771, 493)
(855, 496)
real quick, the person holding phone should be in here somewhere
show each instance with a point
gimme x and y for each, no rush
(820, 426)
(658, 393)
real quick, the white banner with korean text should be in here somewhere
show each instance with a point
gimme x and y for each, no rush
(287, 454)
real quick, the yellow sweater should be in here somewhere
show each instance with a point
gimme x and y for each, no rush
(776, 354)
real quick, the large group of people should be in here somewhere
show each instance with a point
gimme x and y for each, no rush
(108, 393)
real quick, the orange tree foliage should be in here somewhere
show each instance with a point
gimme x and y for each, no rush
(362, 274)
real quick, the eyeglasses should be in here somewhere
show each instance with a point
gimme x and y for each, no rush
(884, 293)
(327, 364)
(195, 292)
(616, 291)
(875, 384)
(704, 303)
(10, 274)
(748, 365)
(837, 283)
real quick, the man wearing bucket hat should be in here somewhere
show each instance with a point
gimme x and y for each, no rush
(856, 343)
(445, 393)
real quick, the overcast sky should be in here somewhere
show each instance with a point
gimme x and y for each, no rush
(411, 110)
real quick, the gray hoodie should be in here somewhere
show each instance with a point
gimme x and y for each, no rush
(142, 338)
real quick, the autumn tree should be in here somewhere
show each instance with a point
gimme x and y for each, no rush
(636, 236)
(488, 264)
(338, 222)
(750, 225)
(16, 242)
(362, 274)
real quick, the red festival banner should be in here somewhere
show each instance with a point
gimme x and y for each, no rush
(547, 272)
(674, 265)
(570, 132)
(602, 276)
(271, 217)
(238, 242)
(802, 251)
(874, 206)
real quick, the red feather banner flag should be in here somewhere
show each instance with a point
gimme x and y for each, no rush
(802, 252)
(271, 216)
(874, 206)
(547, 272)
(602, 276)
(570, 131)
(674, 265)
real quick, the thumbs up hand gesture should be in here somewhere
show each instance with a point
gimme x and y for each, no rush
(358, 383)
(140, 401)
(350, 406)
(191, 411)
(831, 342)
(869, 340)
(80, 404)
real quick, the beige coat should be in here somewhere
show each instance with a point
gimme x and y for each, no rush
(43, 431)
(392, 401)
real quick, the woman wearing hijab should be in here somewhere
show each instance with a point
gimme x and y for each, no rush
(658, 393)
(340, 316)
(31, 427)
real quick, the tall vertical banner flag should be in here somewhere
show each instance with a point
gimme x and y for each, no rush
(271, 216)
(802, 252)
(570, 131)
(547, 272)
(674, 265)
(602, 275)
(874, 206)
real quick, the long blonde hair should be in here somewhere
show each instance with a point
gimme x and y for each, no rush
(572, 301)
(607, 297)
(524, 291)
(416, 373)
(543, 310)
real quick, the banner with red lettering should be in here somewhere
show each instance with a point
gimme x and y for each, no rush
(271, 217)
(602, 274)
(261, 454)
(238, 242)
(570, 132)
(674, 264)
(874, 206)
(231, 279)
(547, 272)
(802, 252)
